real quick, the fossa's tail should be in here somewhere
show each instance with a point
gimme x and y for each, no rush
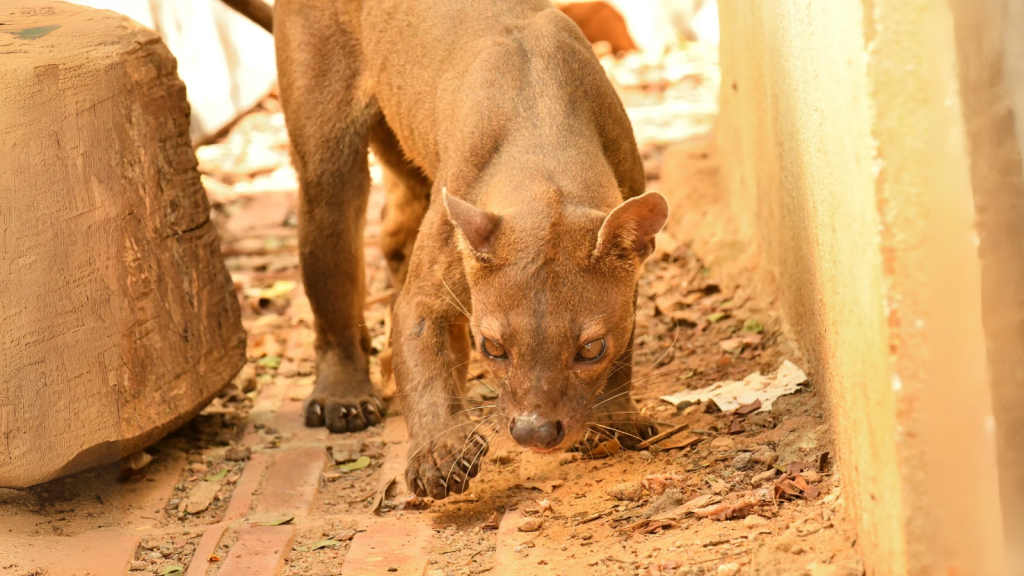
(256, 10)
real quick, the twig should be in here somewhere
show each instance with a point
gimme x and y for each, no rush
(661, 437)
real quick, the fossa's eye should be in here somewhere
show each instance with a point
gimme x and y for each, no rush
(591, 351)
(493, 350)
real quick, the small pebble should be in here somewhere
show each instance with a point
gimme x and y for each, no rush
(754, 520)
(529, 524)
(811, 476)
(138, 565)
(156, 556)
(728, 569)
(742, 462)
(763, 478)
(198, 467)
(626, 491)
(166, 549)
(236, 454)
(765, 457)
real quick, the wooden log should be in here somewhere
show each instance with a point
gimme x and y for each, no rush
(118, 320)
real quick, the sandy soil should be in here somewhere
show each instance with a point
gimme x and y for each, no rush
(596, 515)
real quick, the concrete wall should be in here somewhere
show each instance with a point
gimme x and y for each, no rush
(849, 172)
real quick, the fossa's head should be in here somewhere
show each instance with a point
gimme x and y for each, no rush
(553, 299)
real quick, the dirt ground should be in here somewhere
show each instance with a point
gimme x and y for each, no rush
(730, 494)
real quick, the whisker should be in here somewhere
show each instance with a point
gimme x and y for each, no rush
(465, 446)
(618, 431)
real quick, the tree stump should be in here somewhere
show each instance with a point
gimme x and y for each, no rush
(118, 320)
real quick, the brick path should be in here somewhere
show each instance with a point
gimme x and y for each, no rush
(274, 484)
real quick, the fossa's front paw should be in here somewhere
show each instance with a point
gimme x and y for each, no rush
(444, 465)
(343, 413)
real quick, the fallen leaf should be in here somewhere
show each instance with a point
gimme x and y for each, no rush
(718, 485)
(811, 492)
(201, 496)
(654, 526)
(605, 449)
(172, 570)
(318, 545)
(269, 362)
(492, 523)
(680, 442)
(345, 535)
(748, 408)
(786, 488)
(279, 288)
(278, 522)
(729, 395)
(358, 464)
(218, 476)
(545, 487)
(753, 326)
(715, 316)
(213, 558)
(725, 511)
(264, 345)
(731, 345)
(796, 467)
(658, 483)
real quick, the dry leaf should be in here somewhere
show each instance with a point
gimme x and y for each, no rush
(729, 395)
(727, 511)
(345, 535)
(492, 523)
(718, 485)
(605, 449)
(748, 408)
(544, 486)
(658, 483)
(786, 488)
(278, 522)
(358, 464)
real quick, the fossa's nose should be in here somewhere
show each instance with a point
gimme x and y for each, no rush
(533, 431)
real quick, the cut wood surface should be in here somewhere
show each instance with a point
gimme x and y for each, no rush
(117, 316)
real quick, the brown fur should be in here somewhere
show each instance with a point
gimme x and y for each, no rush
(506, 148)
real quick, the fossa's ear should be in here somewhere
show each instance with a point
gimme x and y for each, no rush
(477, 226)
(629, 230)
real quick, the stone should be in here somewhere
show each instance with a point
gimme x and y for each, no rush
(742, 461)
(238, 454)
(626, 491)
(765, 457)
(763, 478)
(754, 520)
(529, 524)
(346, 450)
(672, 498)
(731, 569)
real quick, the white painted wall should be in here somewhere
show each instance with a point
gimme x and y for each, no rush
(226, 61)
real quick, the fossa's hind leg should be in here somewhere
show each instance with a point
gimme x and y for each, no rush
(408, 197)
(329, 120)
